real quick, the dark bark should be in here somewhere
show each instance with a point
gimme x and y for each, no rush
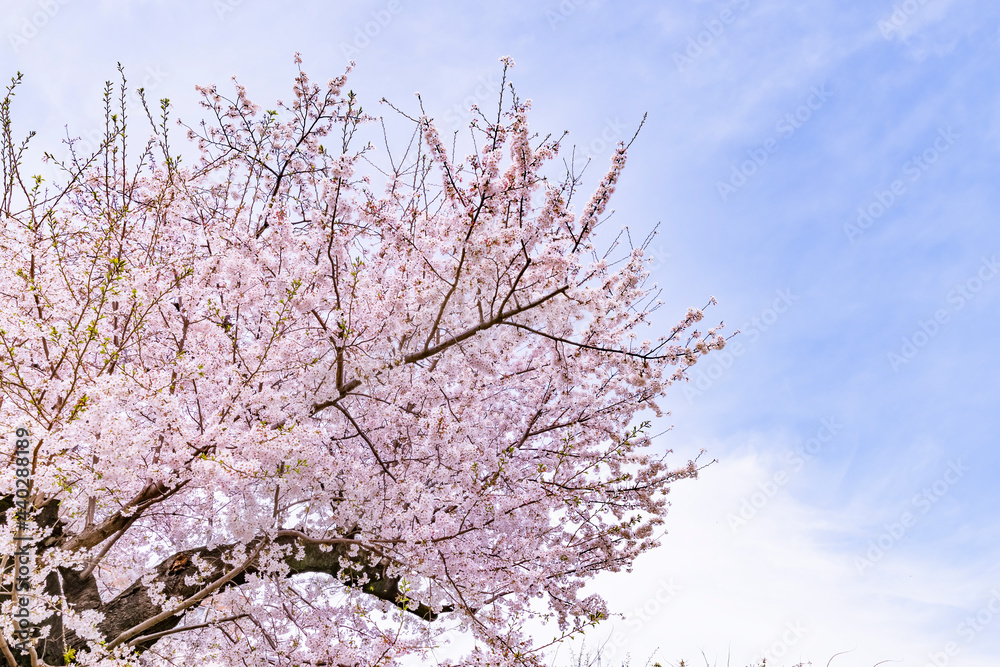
(134, 606)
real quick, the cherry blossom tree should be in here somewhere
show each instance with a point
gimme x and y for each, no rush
(296, 402)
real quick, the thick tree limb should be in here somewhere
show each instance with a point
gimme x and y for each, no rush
(186, 604)
(133, 611)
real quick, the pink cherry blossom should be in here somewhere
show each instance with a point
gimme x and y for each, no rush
(283, 413)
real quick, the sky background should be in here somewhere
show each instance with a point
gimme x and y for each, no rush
(827, 170)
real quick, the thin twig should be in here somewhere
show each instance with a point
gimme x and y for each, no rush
(157, 635)
(364, 437)
(117, 536)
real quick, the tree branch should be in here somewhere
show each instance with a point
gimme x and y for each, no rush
(188, 603)
(160, 635)
(133, 611)
(468, 333)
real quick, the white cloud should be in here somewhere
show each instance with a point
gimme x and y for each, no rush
(777, 587)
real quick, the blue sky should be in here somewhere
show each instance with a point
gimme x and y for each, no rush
(854, 425)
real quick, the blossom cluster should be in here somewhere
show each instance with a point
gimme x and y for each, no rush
(258, 353)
